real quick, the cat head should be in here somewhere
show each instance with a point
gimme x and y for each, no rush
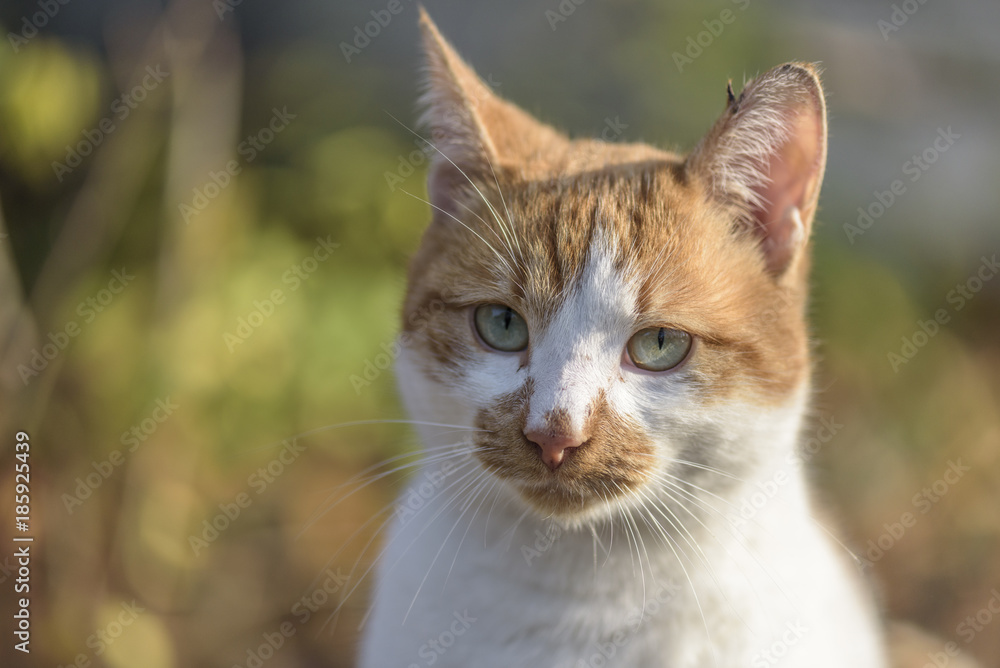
(610, 317)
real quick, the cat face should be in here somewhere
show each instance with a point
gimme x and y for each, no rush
(608, 317)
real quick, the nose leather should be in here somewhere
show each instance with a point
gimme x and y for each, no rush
(554, 446)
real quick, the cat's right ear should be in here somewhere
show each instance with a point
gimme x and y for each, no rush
(474, 132)
(765, 157)
(461, 147)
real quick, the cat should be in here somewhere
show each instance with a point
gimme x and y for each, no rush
(605, 350)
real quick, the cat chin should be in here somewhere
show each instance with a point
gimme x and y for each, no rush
(563, 507)
(568, 506)
(581, 515)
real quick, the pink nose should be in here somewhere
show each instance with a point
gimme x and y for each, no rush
(554, 446)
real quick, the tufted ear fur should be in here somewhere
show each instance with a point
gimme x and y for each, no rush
(765, 157)
(474, 130)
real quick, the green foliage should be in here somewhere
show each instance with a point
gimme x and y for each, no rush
(268, 315)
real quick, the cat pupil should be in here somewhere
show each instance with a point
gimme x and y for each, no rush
(506, 318)
(660, 337)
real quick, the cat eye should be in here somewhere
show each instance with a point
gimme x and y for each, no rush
(658, 348)
(500, 327)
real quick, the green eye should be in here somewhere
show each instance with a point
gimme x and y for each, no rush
(658, 348)
(501, 327)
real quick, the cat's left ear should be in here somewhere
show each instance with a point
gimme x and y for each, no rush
(766, 155)
(474, 131)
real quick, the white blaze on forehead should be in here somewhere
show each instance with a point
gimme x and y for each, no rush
(579, 352)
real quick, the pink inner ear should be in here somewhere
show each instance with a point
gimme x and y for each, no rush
(787, 199)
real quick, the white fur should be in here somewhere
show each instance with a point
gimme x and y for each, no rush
(713, 593)
(580, 350)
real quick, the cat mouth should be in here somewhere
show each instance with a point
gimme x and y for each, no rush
(559, 499)
(564, 491)
(568, 492)
(610, 465)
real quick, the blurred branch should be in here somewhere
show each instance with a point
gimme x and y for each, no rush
(17, 324)
(206, 62)
(97, 216)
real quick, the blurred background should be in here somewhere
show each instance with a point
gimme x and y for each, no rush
(202, 253)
